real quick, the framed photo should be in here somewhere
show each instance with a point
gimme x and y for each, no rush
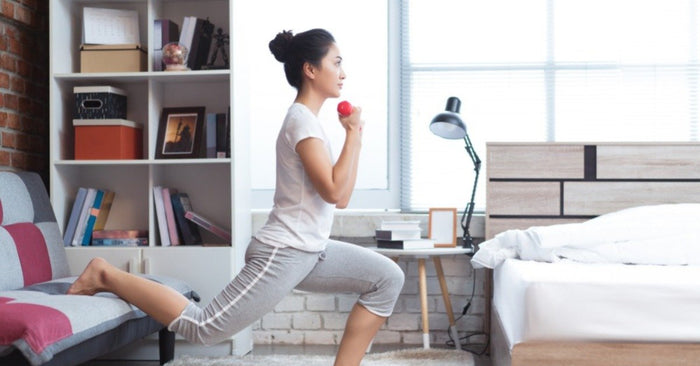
(442, 226)
(180, 133)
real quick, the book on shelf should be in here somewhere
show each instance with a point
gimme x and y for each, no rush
(227, 130)
(208, 225)
(164, 32)
(222, 136)
(119, 234)
(406, 244)
(186, 33)
(105, 208)
(399, 234)
(170, 215)
(92, 217)
(69, 232)
(160, 216)
(210, 133)
(202, 43)
(82, 219)
(190, 232)
(399, 225)
(125, 242)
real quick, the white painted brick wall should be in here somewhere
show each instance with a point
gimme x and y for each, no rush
(310, 318)
(306, 320)
(320, 302)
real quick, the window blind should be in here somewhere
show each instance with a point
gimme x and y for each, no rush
(550, 70)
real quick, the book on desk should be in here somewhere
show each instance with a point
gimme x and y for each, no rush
(406, 244)
(411, 234)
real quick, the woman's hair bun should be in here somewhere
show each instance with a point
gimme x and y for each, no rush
(280, 45)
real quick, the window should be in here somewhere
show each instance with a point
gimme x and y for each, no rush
(540, 70)
(360, 29)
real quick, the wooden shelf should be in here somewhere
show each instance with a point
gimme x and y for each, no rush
(218, 188)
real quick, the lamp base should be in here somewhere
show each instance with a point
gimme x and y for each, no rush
(468, 243)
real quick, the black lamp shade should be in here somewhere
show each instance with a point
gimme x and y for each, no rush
(449, 124)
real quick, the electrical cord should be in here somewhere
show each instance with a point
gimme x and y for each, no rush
(475, 348)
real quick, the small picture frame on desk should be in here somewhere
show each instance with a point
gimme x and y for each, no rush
(180, 133)
(442, 227)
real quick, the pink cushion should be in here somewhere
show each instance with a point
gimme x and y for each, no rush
(32, 252)
(38, 325)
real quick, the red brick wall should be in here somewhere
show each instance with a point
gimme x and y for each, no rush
(24, 86)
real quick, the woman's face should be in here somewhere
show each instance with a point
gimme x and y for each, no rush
(330, 76)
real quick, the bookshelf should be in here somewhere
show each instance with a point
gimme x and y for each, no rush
(218, 188)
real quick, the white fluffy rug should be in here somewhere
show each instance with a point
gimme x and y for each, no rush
(407, 357)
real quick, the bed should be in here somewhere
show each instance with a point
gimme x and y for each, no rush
(591, 246)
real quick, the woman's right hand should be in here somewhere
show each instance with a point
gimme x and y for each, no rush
(352, 121)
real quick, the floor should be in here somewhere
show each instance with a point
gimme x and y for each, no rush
(284, 349)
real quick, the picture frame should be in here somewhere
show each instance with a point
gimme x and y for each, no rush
(442, 226)
(180, 133)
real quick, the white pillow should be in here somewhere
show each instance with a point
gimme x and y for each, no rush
(636, 223)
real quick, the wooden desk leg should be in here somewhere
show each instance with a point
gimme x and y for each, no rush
(423, 290)
(446, 299)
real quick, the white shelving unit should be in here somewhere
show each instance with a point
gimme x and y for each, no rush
(218, 188)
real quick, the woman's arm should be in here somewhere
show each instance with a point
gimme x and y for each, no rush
(334, 183)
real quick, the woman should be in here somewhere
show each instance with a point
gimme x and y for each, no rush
(293, 249)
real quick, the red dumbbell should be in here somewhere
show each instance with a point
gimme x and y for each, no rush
(344, 108)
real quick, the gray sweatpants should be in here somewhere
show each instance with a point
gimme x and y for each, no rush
(271, 273)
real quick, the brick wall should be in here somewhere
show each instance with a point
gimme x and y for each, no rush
(311, 318)
(24, 93)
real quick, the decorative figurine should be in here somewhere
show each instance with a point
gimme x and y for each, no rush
(221, 44)
(175, 57)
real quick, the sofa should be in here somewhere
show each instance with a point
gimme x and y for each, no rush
(39, 323)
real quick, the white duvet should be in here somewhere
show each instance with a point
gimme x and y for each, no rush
(660, 234)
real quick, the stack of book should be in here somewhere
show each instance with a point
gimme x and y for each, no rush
(90, 211)
(178, 224)
(126, 238)
(401, 235)
(196, 35)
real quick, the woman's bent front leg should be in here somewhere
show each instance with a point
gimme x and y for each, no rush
(379, 280)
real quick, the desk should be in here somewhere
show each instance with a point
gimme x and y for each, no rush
(421, 255)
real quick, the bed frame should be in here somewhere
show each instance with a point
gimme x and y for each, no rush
(532, 184)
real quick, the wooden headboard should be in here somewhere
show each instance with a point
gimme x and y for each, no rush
(532, 184)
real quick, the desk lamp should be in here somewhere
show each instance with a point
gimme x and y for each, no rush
(449, 125)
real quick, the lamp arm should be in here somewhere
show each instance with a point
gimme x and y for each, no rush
(472, 154)
(468, 241)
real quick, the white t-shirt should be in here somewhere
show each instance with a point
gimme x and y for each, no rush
(300, 218)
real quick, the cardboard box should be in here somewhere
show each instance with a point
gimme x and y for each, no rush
(93, 102)
(112, 58)
(107, 139)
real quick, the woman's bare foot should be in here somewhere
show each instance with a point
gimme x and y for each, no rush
(92, 280)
